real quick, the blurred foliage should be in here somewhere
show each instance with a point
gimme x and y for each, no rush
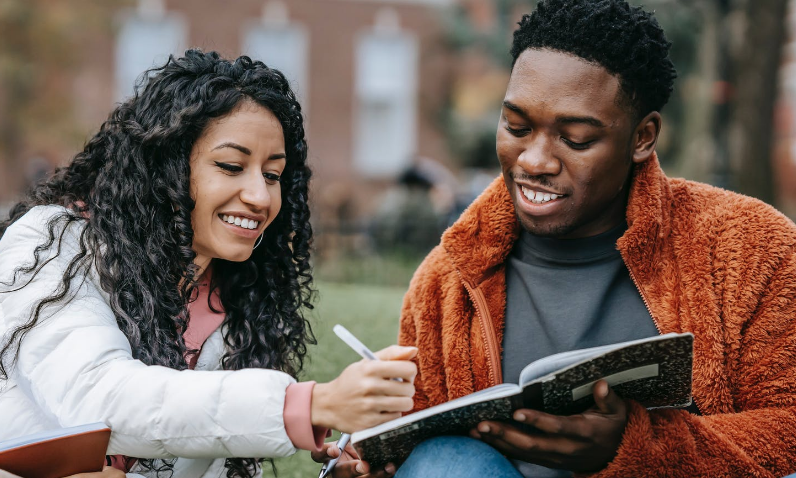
(406, 224)
(41, 42)
(462, 34)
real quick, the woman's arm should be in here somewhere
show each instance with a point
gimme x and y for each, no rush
(77, 367)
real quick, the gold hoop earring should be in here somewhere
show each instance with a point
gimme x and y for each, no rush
(259, 240)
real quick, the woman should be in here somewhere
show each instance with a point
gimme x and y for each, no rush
(179, 239)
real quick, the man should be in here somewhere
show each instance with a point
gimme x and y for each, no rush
(584, 241)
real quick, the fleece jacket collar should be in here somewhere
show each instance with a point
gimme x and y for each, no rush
(481, 240)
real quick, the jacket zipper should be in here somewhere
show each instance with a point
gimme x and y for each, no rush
(487, 331)
(654, 320)
(641, 292)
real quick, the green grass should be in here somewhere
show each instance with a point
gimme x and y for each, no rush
(369, 312)
(393, 268)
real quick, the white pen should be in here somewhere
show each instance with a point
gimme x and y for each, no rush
(353, 342)
(365, 353)
(329, 465)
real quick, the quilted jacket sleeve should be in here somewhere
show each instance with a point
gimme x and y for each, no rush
(756, 438)
(77, 366)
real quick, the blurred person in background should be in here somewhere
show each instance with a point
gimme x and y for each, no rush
(158, 282)
(583, 242)
(415, 210)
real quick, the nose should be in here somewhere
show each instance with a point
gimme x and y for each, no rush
(537, 158)
(255, 193)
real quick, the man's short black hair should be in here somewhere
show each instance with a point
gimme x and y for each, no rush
(625, 40)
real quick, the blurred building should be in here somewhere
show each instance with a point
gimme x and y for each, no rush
(371, 76)
(383, 83)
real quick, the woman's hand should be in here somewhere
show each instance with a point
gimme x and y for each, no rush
(107, 472)
(350, 465)
(365, 394)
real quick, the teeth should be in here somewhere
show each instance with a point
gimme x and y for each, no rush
(538, 197)
(240, 221)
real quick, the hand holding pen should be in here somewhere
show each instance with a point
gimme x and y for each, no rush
(391, 397)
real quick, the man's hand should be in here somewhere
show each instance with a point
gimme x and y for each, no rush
(584, 442)
(350, 465)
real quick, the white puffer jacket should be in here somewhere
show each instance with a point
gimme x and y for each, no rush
(76, 367)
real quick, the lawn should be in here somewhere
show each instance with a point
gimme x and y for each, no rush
(371, 313)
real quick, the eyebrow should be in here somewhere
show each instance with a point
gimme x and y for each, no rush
(589, 120)
(242, 149)
(247, 151)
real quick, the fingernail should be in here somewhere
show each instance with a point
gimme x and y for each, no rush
(360, 468)
(390, 468)
(483, 428)
(519, 416)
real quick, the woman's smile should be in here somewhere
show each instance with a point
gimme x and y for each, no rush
(241, 226)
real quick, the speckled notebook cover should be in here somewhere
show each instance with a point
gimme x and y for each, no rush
(655, 372)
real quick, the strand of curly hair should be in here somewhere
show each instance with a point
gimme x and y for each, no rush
(129, 191)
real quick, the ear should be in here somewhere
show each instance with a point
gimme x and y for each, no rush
(646, 137)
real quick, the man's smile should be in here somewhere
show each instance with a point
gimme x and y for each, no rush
(538, 197)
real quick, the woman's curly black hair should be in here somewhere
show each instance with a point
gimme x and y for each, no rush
(625, 40)
(130, 187)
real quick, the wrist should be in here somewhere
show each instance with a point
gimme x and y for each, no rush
(320, 413)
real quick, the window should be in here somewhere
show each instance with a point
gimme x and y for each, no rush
(386, 92)
(281, 45)
(146, 38)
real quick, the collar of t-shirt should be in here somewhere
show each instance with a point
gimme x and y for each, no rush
(547, 251)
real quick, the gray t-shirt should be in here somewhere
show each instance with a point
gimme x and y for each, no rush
(567, 294)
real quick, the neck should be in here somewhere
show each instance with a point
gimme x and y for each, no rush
(202, 263)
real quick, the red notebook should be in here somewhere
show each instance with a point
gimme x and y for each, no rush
(56, 453)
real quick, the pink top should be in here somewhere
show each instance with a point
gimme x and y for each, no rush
(298, 397)
(204, 321)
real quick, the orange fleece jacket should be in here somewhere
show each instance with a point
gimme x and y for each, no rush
(707, 261)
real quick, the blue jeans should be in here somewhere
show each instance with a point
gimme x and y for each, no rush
(456, 456)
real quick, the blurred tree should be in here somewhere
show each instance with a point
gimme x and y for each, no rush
(41, 43)
(755, 32)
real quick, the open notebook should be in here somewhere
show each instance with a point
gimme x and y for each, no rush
(655, 372)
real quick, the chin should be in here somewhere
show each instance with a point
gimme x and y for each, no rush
(237, 256)
(551, 230)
